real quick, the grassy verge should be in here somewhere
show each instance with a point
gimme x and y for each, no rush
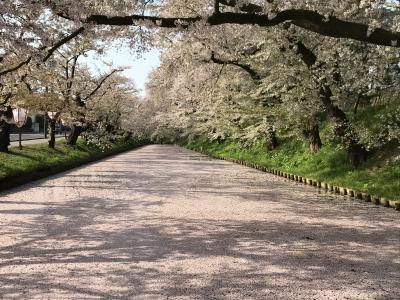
(378, 176)
(38, 161)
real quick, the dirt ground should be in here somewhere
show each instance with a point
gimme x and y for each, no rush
(162, 222)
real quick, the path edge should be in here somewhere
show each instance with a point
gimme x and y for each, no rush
(350, 193)
(10, 183)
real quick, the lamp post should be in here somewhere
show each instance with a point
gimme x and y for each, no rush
(20, 115)
(45, 125)
(52, 116)
(63, 127)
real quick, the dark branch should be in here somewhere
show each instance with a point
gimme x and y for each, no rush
(334, 27)
(8, 95)
(6, 98)
(216, 6)
(251, 50)
(17, 67)
(62, 42)
(254, 75)
(29, 87)
(70, 75)
(50, 51)
(247, 7)
(100, 84)
(306, 19)
(136, 19)
(305, 54)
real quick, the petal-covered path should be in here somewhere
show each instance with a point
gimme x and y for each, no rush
(162, 222)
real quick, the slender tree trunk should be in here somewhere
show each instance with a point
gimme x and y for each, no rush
(344, 130)
(52, 141)
(313, 137)
(127, 136)
(74, 134)
(272, 141)
(4, 136)
(5, 129)
(355, 108)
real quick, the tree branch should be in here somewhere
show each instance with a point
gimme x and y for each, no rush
(216, 6)
(137, 19)
(100, 84)
(254, 75)
(306, 55)
(17, 67)
(306, 19)
(71, 75)
(245, 7)
(62, 42)
(50, 51)
(334, 27)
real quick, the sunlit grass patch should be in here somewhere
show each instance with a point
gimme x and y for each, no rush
(40, 159)
(330, 164)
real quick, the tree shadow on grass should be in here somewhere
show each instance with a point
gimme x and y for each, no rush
(21, 154)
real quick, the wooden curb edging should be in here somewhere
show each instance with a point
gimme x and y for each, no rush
(349, 193)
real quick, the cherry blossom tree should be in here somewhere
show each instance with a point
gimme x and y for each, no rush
(312, 70)
(220, 75)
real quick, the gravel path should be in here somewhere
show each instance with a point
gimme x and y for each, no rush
(163, 222)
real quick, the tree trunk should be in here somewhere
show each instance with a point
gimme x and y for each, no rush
(52, 141)
(355, 108)
(74, 134)
(272, 141)
(313, 137)
(355, 151)
(127, 136)
(4, 136)
(5, 129)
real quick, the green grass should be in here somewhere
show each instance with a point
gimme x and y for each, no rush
(378, 176)
(36, 161)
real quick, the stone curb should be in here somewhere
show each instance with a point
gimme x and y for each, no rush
(349, 193)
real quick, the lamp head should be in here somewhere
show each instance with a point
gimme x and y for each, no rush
(20, 115)
(52, 114)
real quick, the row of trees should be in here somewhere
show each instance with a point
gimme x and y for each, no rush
(95, 104)
(238, 68)
(246, 83)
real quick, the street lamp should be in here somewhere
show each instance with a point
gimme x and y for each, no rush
(52, 114)
(63, 127)
(20, 115)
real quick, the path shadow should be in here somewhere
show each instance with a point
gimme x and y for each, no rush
(107, 247)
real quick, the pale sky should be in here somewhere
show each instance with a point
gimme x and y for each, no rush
(122, 57)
